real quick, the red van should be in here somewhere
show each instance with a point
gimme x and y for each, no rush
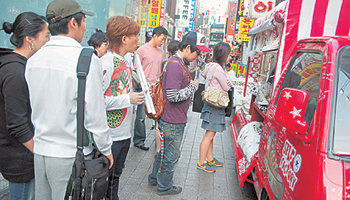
(304, 150)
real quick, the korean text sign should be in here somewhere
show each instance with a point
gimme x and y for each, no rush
(154, 13)
(244, 25)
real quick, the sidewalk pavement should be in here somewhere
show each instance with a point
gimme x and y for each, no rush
(197, 184)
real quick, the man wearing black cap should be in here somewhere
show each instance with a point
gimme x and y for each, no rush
(178, 87)
(52, 81)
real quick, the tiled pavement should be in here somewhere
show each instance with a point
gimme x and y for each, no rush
(197, 185)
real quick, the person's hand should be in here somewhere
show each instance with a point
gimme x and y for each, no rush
(111, 161)
(229, 83)
(195, 82)
(97, 154)
(150, 92)
(136, 97)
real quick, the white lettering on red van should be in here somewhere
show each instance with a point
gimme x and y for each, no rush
(328, 77)
(323, 94)
(286, 164)
(347, 191)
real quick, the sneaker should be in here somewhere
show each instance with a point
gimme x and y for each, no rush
(172, 191)
(215, 162)
(206, 167)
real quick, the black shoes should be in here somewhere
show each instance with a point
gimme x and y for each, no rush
(142, 146)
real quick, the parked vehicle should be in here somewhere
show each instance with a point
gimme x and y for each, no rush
(304, 147)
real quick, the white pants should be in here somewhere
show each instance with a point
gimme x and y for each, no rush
(51, 177)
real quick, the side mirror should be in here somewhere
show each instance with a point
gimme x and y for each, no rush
(291, 108)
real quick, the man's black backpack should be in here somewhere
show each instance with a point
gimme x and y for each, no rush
(89, 178)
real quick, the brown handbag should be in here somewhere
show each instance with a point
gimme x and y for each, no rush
(157, 94)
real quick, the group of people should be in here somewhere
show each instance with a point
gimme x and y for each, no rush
(38, 99)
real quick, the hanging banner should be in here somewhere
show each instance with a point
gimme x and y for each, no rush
(244, 25)
(143, 7)
(162, 13)
(154, 14)
(232, 11)
(184, 13)
(192, 15)
(259, 7)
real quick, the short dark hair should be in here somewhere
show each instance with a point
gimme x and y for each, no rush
(97, 39)
(183, 45)
(61, 26)
(221, 52)
(159, 30)
(173, 46)
(26, 24)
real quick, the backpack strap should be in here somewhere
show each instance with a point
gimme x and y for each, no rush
(83, 68)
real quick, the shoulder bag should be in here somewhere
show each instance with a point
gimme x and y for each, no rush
(214, 96)
(157, 94)
(89, 178)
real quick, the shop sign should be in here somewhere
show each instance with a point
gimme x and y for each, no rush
(244, 25)
(232, 11)
(179, 36)
(192, 15)
(154, 13)
(239, 69)
(162, 12)
(143, 13)
(259, 7)
(184, 12)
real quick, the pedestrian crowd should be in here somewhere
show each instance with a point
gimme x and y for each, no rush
(38, 99)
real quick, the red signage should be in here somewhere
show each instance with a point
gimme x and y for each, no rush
(232, 11)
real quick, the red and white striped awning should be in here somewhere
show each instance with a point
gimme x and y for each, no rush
(311, 18)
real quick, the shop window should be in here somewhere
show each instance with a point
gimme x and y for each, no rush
(304, 73)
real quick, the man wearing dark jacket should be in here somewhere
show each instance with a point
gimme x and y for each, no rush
(16, 128)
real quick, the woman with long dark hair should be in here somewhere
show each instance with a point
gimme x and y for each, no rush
(213, 118)
(29, 32)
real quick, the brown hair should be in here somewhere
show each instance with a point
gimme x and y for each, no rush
(119, 26)
(221, 52)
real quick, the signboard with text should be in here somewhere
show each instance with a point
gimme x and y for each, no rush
(184, 13)
(143, 7)
(259, 7)
(162, 12)
(244, 25)
(154, 14)
(232, 11)
(192, 15)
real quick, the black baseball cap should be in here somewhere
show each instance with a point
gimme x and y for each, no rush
(64, 8)
(196, 39)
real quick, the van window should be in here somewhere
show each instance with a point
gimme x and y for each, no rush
(341, 115)
(304, 73)
(267, 72)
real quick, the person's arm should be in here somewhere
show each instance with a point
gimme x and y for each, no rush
(222, 78)
(173, 81)
(95, 112)
(174, 95)
(16, 99)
